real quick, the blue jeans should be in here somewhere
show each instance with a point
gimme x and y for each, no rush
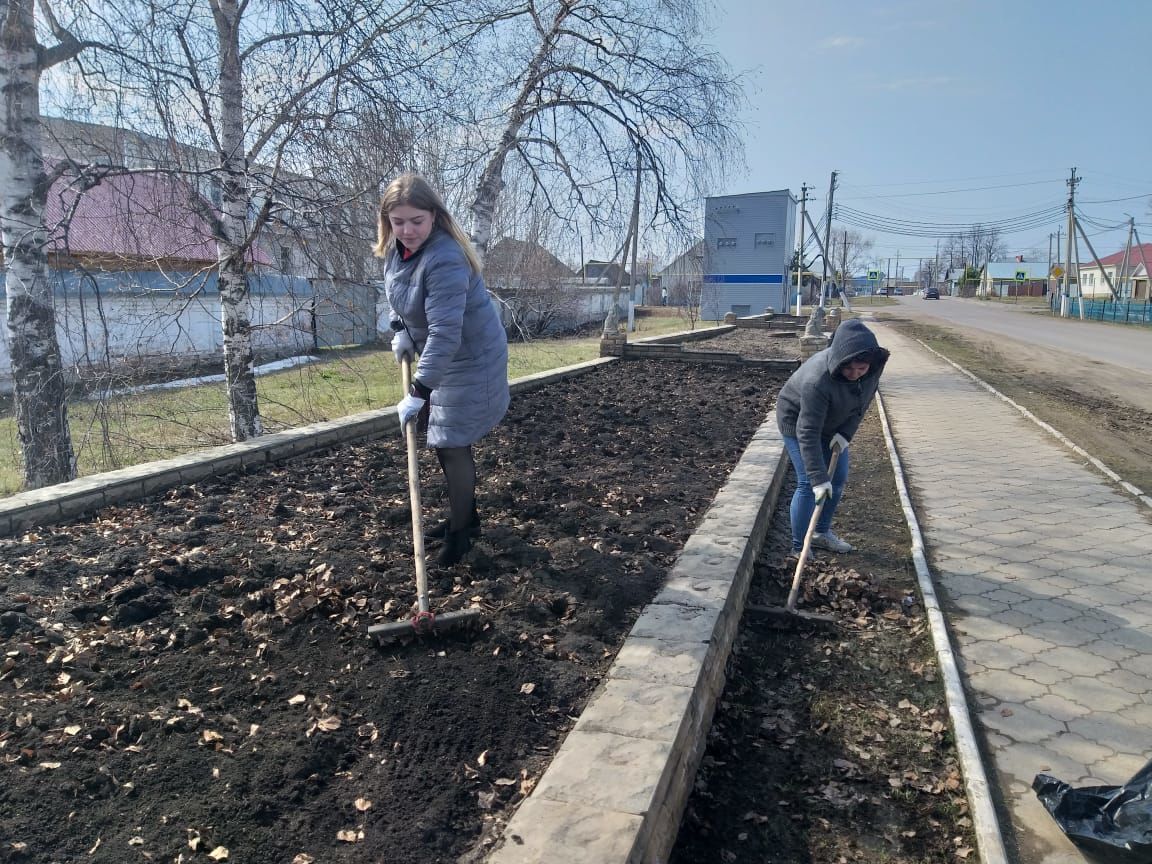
(804, 502)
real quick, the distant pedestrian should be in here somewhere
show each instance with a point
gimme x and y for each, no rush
(663, 296)
(820, 408)
(441, 311)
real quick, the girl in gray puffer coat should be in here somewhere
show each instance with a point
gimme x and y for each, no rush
(820, 407)
(441, 310)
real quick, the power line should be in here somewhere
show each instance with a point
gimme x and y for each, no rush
(1115, 200)
(952, 179)
(954, 191)
(919, 228)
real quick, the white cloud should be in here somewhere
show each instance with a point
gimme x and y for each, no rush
(842, 41)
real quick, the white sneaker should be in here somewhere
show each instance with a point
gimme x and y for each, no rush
(831, 542)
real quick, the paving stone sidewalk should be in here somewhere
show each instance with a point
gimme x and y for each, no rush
(1046, 571)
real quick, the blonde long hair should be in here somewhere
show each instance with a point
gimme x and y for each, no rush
(412, 190)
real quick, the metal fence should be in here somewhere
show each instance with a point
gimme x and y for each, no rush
(1121, 311)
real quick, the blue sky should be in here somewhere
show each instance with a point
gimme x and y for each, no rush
(908, 98)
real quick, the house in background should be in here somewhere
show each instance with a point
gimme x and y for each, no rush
(1014, 279)
(133, 263)
(1131, 284)
(683, 276)
(533, 288)
(748, 242)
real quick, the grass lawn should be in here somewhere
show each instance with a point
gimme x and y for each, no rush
(128, 430)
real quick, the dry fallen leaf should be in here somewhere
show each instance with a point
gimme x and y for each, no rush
(350, 835)
(220, 853)
(527, 688)
(298, 699)
(49, 766)
(136, 841)
(71, 730)
(482, 759)
(303, 858)
(362, 804)
(329, 724)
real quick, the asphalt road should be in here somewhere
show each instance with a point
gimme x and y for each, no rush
(1126, 346)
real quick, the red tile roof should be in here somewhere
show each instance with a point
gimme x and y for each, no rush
(142, 217)
(1118, 257)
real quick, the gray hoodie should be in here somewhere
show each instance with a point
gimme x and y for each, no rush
(817, 402)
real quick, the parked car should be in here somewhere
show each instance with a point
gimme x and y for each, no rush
(931, 293)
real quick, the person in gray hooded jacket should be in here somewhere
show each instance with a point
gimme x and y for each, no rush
(441, 310)
(820, 407)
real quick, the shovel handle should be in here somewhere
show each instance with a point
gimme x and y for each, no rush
(414, 496)
(794, 593)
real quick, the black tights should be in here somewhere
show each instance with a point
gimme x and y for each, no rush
(459, 469)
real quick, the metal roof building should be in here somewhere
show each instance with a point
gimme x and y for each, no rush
(748, 242)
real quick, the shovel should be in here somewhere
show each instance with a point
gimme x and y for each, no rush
(425, 621)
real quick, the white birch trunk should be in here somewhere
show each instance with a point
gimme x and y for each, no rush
(40, 394)
(492, 180)
(235, 314)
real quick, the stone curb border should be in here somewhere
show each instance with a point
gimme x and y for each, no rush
(983, 809)
(1138, 494)
(616, 790)
(26, 510)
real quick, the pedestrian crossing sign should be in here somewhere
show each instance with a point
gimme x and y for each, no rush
(873, 275)
(1021, 275)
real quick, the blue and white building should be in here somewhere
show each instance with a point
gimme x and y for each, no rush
(748, 243)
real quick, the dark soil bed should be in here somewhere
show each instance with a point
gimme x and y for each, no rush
(188, 678)
(832, 745)
(760, 344)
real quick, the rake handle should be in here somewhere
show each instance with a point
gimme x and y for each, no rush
(794, 593)
(414, 495)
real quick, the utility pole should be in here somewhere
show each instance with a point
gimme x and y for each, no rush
(1127, 256)
(800, 252)
(844, 277)
(1048, 273)
(888, 278)
(827, 238)
(897, 271)
(1068, 252)
(936, 265)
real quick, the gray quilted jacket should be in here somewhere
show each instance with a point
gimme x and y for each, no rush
(463, 347)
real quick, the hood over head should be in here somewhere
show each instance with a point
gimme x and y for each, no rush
(852, 340)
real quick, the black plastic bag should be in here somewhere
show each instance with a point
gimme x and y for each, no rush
(1114, 823)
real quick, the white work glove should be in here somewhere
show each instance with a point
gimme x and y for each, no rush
(402, 345)
(409, 409)
(839, 442)
(822, 491)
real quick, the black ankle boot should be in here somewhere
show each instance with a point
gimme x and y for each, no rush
(440, 530)
(456, 546)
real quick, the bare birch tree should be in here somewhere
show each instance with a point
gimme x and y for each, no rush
(39, 387)
(850, 254)
(584, 85)
(260, 85)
